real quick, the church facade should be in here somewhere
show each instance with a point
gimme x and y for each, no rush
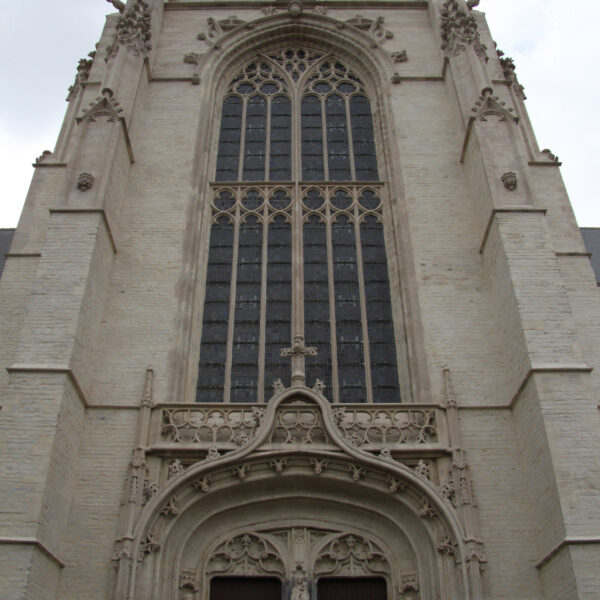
(297, 308)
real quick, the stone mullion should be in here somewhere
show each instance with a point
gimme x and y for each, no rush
(324, 135)
(232, 296)
(297, 282)
(350, 139)
(268, 141)
(363, 299)
(330, 276)
(242, 139)
(263, 298)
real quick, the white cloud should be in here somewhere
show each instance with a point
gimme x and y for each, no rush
(554, 44)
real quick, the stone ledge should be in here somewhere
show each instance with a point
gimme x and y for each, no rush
(51, 368)
(27, 541)
(507, 209)
(568, 541)
(100, 211)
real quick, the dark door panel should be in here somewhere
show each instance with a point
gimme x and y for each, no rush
(245, 588)
(355, 588)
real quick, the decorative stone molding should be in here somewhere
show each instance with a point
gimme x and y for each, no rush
(188, 580)
(148, 546)
(279, 465)
(400, 56)
(103, 106)
(319, 387)
(83, 74)
(298, 348)
(373, 28)
(268, 10)
(395, 485)
(351, 555)
(357, 472)
(551, 157)
(476, 554)
(460, 466)
(319, 9)
(192, 58)
(386, 426)
(318, 465)
(246, 554)
(85, 181)
(510, 181)
(43, 156)
(241, 472)
(120, 6)
(489, 105)
(423, 469)
(148, 393)
(175, 468)
(299, 424)
(459, 31)
(278, 387)
(171, 508)
(203, 483)
(409, 583)
(426, 510)
(295, 8)
(216, 29)
(133, 31)
(448, 547)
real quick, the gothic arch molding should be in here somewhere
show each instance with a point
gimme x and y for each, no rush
(351, 475)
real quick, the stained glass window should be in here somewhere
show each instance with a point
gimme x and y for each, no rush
(297, 245)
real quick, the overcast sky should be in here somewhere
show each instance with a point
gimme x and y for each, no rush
(555, 45)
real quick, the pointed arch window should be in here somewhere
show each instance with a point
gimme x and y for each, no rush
(297, 245)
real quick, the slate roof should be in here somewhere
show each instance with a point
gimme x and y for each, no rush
(591, 239)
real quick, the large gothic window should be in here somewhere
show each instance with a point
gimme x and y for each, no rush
(297, 249)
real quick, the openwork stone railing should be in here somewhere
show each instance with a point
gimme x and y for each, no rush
(366, 427)
(225, 426)
(373, 427)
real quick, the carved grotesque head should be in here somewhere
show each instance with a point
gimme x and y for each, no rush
(510, 181)
(85, 181)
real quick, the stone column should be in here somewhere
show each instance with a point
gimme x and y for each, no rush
(50, 381)
(550, 392)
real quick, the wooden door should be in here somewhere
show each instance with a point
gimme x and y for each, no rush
(352, 588)
(245, 588)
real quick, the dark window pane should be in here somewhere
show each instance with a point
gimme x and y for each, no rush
(244, 367)
(213, 346)
(316, 303)
(279, 303)
(312, 139)
(337, 139)
(347, 313)
(255, 139)
(384, 369)
(280, 165)
(365, 159)
(229, 140)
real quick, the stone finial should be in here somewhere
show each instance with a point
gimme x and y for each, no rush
(510, 181)
(85, 181)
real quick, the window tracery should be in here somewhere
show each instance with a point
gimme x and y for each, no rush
(297, 237)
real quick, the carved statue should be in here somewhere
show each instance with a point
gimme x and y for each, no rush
(300, 591)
